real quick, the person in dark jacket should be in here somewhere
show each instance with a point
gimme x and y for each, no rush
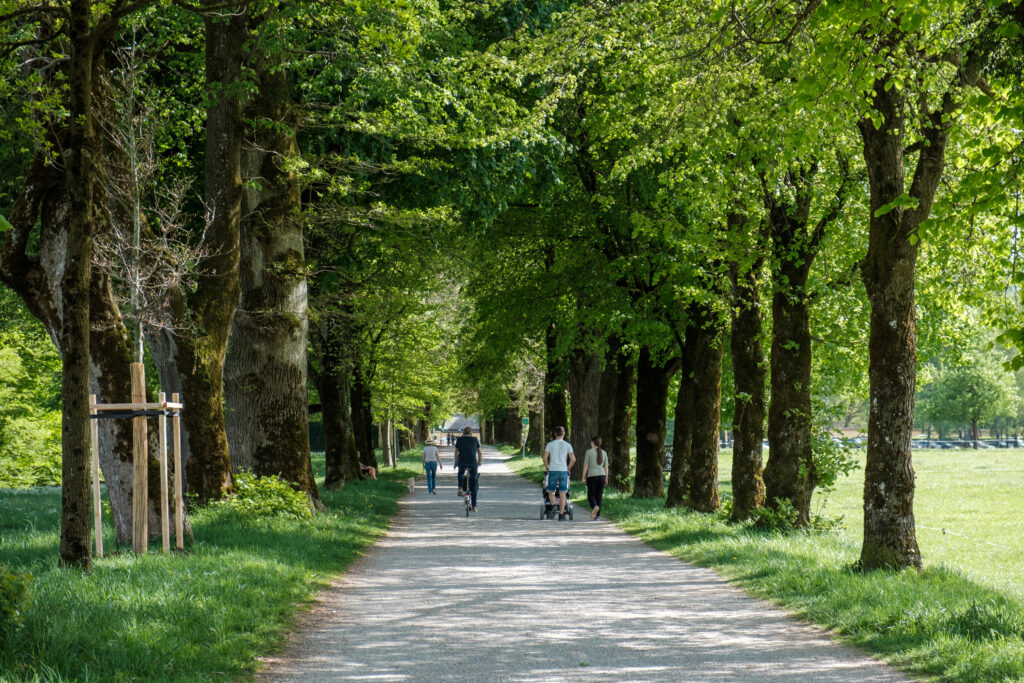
(468, 458)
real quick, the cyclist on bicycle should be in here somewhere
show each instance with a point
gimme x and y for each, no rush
(468, 458)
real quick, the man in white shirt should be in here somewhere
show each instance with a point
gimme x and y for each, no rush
(558, 460)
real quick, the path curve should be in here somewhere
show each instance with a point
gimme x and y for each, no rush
(504, 596)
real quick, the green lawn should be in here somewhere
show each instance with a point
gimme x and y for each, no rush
(969, 507)
(206, 614)
(961, 619)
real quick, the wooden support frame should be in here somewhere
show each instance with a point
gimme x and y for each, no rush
(140, 446)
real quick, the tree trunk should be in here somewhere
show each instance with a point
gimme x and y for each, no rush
(362, 418)
(622, 427)
(423, 425)
(584, 386)
(341, 463)
(682, 436)
(37, 280)
(535, 434)
(790, 473)
(80, 177)
(701, 474)
(607, 393)
(652, 382)
(748, 364)
(556, 412)
(202, 339)
(890, 536)
(265, 372)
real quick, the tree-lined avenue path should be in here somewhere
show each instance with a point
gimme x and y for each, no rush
(505, 596)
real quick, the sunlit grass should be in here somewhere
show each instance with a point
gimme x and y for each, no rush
(206, 614)
(961, 619)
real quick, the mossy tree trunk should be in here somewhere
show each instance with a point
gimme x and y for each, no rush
(265, 371)
(201, 340)
(682, 435)
(701, 475)
(81, 182)
(790, 473)
(749, 375)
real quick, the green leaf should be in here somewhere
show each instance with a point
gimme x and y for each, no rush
(903, 201)
(5, 225)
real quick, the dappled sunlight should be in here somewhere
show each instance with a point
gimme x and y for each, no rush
(503, 595)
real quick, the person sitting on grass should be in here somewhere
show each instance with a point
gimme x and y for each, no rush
(368, 470)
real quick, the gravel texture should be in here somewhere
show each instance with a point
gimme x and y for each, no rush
(504, 596)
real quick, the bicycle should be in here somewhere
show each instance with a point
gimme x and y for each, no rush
(467, 495)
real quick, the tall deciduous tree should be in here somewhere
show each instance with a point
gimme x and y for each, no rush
(265, 371)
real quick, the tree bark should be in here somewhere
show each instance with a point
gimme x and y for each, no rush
(80, 177)
(749, 374)
(607, 393)
(535, 434)
(682, 436)
(335, 428)
(423, 425)
(584, 386)
(790, 473)
(622, 427)
(652, 380)
(701, 474)
(265, 372)
(362, 418)
(201, 341)
(513, 425)
(890, 536)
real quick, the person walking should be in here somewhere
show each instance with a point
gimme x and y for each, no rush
(431, 462)
(468, 459)
(558, 460)
(595, 473)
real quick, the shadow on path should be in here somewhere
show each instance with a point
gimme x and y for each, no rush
(504, 596)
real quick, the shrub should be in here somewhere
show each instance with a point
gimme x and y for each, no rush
(13, 598)
(783, 518)
(266, 497)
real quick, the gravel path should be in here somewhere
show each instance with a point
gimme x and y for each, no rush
(504, 596)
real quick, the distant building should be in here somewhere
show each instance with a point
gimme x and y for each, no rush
(458, 423)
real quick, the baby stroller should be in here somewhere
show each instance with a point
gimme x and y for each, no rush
(549, 511)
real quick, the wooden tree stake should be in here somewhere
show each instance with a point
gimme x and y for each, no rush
(140, 459)
(97, 506)
(165, 528)
(178, 476)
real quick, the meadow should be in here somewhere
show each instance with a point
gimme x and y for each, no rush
(204, 614)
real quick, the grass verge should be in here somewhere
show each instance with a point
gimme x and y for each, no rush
(936, 622)
(205, 614)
